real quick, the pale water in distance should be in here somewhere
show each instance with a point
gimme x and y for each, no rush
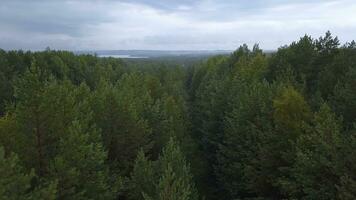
(122, 56)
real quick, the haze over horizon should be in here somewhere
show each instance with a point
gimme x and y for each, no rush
(170, 24)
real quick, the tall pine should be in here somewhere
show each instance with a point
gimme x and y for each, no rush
(168, 178)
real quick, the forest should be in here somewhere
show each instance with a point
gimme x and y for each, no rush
(249, 125)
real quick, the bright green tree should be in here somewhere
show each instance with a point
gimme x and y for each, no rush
(168, 178)
(80, 165)
(143, 178)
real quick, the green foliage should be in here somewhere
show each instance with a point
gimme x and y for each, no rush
(290, 109)
(316, 167)
(172, 187)
(277, 152)
(80, 165)
(346, 186)
(30, 115)
(44, 110)
(344, 99)
(9, 139)
(279, 125)
(242, 135)
(119, 115)
(168, 178)
(143, 178)
(15, 181)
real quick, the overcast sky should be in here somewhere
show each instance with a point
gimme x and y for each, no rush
(169, 24)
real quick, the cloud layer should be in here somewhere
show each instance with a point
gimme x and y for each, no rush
(169, 24)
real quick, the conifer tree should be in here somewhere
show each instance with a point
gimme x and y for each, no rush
(143, 178)
(168, 178)
(43, 112)
(80, 165)
(30, 117)
(16, 181)
(124, 130)
(346, 187)
(315, 173)
(244, 128)
(176, 181)
(277, 151)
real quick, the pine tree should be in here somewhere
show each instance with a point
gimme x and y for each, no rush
(207, 112)
(118, 113)
(344, 99)
(80, 165)
(43, 112)
(315, 173)
(243, 131)
(176, 181)
(143, 178)
(15, 181)
(277, 151)
(30, 117)
(168, 178)
(346, 187)
(9, 137)
(172, 187)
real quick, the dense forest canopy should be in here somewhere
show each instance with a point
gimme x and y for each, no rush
(242, 126)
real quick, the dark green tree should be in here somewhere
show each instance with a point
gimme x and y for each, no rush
(16, 182)
(316, 167)
(118, 113)
(244, 126)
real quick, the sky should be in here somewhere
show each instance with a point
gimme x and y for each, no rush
(170, 24)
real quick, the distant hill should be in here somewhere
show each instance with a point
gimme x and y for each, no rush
(153, 53)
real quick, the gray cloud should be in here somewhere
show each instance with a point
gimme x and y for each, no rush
(169, 24)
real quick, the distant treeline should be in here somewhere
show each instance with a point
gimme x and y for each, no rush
(240, 126)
